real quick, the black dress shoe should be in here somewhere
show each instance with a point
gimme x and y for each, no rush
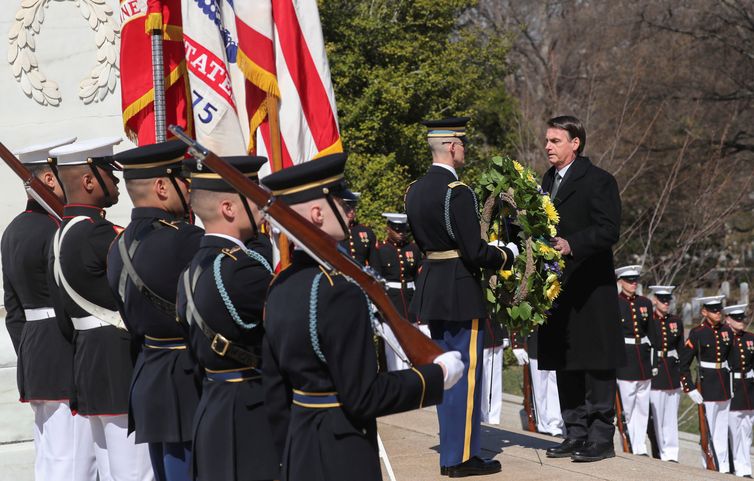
(594, 452)
(473, 467)
(565, 449)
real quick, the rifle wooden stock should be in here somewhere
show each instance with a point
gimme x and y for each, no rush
(419, 349)
(622, 428)
(41, 193)
(708, 450)
(531, 421)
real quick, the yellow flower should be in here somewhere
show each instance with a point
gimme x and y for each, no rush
(553, 231)
(544, 248)
(561, 263)
(506, 274)
(553, 291)
(493, 237)
(552, 214)
(519, 168)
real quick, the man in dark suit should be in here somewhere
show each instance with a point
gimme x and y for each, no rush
(582, 338)
(442, 213)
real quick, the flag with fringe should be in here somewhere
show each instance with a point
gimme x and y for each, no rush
(138, 19)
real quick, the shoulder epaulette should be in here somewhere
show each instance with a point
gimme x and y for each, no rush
(174, 224)
(457, 183)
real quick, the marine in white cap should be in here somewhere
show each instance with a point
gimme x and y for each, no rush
(741, 362)
(361, 240)
(87, 311)
(710, 343)
(666, 334)
(635, 378)
(45, 375)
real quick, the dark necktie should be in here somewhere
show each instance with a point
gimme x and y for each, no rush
(556, 185)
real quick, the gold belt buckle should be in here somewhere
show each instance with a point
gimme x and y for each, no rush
(219, 338)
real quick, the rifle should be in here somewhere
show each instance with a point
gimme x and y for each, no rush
(33, 186)
(708, 449)
(419, 349)
(622, 425)
(531, 420)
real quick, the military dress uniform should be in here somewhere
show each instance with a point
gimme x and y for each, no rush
(544, 386)
(360, 243)
(143, 269)
(442, 213)
(87, 311)
(44, 371)
(741, 416)
(710, 345)
(398, 264)
(323, 390)
(666, 335)
(635, 378)
(221, 297)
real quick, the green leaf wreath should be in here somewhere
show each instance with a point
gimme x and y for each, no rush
(517, 210)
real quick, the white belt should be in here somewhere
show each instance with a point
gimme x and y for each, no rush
(39, 313)
(632, 340)
(671, 353)
(88, 322)
(397, 285)
(747, 375)
(713, 365)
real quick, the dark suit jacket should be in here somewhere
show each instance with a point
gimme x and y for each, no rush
(583, 331)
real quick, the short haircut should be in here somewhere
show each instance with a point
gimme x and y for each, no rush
(573, 126)
(39, 170)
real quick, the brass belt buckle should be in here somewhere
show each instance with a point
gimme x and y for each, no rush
(217, 340)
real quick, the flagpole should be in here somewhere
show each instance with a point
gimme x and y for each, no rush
(276, 152)
(158, 82)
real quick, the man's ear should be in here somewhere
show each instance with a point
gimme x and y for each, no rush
(89, 182)
(48, 179)
(316, 215)
(577, 142)
(160, 187)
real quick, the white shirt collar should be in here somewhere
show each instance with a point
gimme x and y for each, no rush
(451, 169)
(230, 238)
(563, 171)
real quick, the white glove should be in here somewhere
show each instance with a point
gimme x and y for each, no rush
(506, 343)
(452, 367)
(513, 248)
(521, 356)
(696, 396)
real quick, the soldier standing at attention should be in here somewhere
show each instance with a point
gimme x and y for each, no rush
(443, 215)
(44, 369)
(361, 240)
(397, 260)
(666, 334)
(710, 344)
(741, 417)
(87, 310)
(635, 378)
(221, 297)
(143, 268)
(322, 387)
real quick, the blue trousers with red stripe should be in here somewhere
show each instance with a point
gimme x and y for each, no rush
(459, 414)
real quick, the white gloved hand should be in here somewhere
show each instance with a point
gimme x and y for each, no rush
(506, 343)
(696, 396)
(521, 356)
(452, 367)
(513, 248)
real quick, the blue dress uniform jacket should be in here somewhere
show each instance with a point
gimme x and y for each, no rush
(103, 357)
(398, 264)
(666, 334)
(164, 387)
(708, 344)
(231, 433)
(741, 362)
(449, 289)
(360, 243)
(583, 332)
(323, 409)
(636, 313)
(45, 358)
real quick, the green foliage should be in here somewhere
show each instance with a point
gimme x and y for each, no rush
(396, 62)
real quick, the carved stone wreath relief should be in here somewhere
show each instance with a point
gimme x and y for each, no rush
(21, 52)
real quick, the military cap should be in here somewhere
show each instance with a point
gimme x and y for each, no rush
(737, 311)
(662, 290)
(628, 273)
(397, 222)
(40, 153)
(205, 179)
(92, 152)
(352, 198)
(709, 301)
(310, 180)
(155, 160)
(448, 127)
